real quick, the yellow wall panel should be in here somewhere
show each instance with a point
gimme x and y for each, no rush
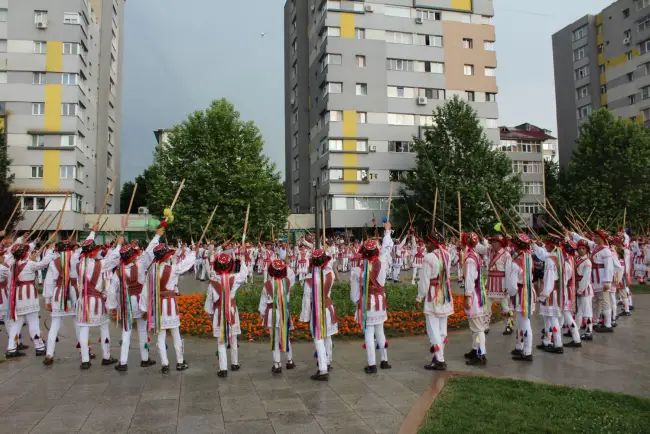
(636, 52)
(52, 107)
(601, 58)
(615, 61)
(603, 99)
(600, 39)
(347, 25)
(599, 19)
(350, 123)
(464, 5)
(54, 59)
(603, 78)
(350, 158)
(639, 119)
(51, 168)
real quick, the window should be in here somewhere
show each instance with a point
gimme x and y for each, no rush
(579, 53)
(645, 92)
(334, 31)
(468, 43)
(532, 188)
(334, 87)
(580, 33)
(109, 160)
(434, 67)
(631, 99)
(520, 146)
(40, 17)
(362, 117)
(71, 18)
(38, 108)
(630, 76)
(527, 167)
(362, 175)
(333, 59)
(643, 24)
(333, 4)
(627, 34)
(3, 76)
(584, 111)
(37, 172)
(335, 174)
(601, 69)
(527, 208)
(582, 92)
(33, 203)
(400, 146)
(362, 89)
(640, 4)
(68, 172)
(582, 72)
(38, 140)
(626, 13)
(40, 47)
(399, 37)
(3, 15)
(429, 40)
(490, 72)
(488, 45)
(469, 69)
(400, 119)
(428, 15)
(335, 116)
(601, 49)
(71, 48)
(470, 95)
(361, 61)
(335, 145)
(490, 97)
(396, 11)
(628, 55)
(38, 78)
(68, 140)
(360, 33)
(77, 201)
(68, 109)
(646, 114)
(362, 146)
(603, 89)
(397, 175)
(427, 121)
(399, 65)
(70, 79)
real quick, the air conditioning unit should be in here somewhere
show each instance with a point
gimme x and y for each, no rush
(41, 25)
(626, 41)
(422, 100)
(368, 8)
(312, 209)
(143, 210)
(86, 225)
(418, 20)
(373, 148)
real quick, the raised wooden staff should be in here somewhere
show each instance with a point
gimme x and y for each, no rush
(460, 215)
(13, 213)
(30, 230)
(108, 195)
(205, 229)
(551, 214)
(390, 200)
(128, 211)
(243, 237)
(526, 223)
(47, 225)
(323, 220)
(58, 226)
(435, 209)
(497, 214)
(441, 221)
(178, 192)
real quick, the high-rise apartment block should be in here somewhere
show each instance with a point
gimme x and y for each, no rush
(602, 61)
(60, 101)
(362, 79)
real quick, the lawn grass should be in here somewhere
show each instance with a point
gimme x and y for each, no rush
(640, 289)
(488, 405)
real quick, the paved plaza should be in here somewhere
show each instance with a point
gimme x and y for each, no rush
(61, 398)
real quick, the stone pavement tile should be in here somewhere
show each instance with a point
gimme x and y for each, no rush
(269, 395)
(110, 418)
(271, 383)
(167, 429)
(307, 385)
(294, 423)
(249, 427)
(64, 418)
(402, 400)
(368, 406)
(32, 402)
(324, 402)
(232, 388)
(160, 413)
(199, 404)
(342, 422)
(82, 393)
(388, 424)
(115, 391)
(242, 408)
(150, 395)
(284, 405)
(20, 421)
(201, 424)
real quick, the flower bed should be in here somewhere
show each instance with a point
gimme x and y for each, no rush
(403, 318)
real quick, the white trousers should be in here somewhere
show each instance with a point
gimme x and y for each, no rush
(126, 342)
(376, 332)
(573, 328)
(437, 331)
(84, 331)
(605, 307)
(415, 274)
(524, 335)
(613, 301)
(223, 355)
(477, 326)
(277, 354)
(34, 331)
(323, 353)
(552, 328)
(585, 310)
(54, 331)
(178, 346)
(396, 270)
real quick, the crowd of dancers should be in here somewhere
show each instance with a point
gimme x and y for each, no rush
(559, 276)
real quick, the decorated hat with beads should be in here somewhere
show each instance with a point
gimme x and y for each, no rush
(127, 253)
(63, 245)
(569, 246)
(278, 269)
(521, 241)
(436, 238)
(602, 234)
(89, 247)
(19, 251)
(469, 239)
(319, 258)
(224, 263)
(553, 240)
(162, 252)
(582, 243)
(369, 249)
(499, 238)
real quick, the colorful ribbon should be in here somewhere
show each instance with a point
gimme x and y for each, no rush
(319, 320)
(280, 314)
(65, 304)
(125, 314)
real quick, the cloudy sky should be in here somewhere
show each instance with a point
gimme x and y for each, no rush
(177, 59)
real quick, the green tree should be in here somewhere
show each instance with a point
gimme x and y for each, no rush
(610, 171)
(140, 198)
(220, 157)
(7, 198)
(455, 156)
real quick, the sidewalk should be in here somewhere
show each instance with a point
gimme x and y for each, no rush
(61, 398)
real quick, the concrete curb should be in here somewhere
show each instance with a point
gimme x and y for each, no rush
(416, 417)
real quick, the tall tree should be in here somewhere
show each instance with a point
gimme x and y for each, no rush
(455, 156)
(220, 157)
(7, 198)
(140, 198)
(610, 171)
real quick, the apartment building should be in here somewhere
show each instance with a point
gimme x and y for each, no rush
(362, 79)
(60, 100)
(602, 61)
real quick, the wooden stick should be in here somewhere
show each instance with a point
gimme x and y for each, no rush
(584, 224)
(58, 225)
(39, 215)
(497, 214)
(435, 209)
(323, 219)
(552, 209)
(128, 211)
(103, 224)
(526, 223)
(178, 192)
(108, 195)
(72, 235)
(590, 214)
(390, 200)
(286, 249)
(13, 213)
(624, 217)
(460, 219)
(243, 237)
(49, 222)
(550, 214)
(444, 223)
(205, 229)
